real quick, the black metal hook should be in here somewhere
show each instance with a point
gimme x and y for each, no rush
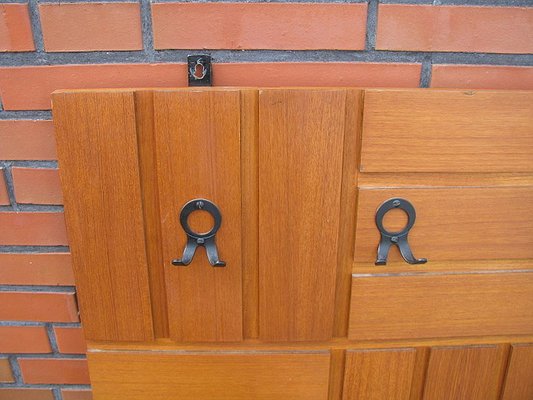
(397, 238)
(195, 239)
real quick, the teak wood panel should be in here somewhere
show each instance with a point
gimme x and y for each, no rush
(98, 158)
(465, 373)
(441, 305)
(301, 136)
(198, 156)
(447, 131)
(379, 374)
(209, 376)
(460, 223)
(519, 378)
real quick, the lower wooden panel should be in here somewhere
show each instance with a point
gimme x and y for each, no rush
(209, 376)
(435, 305)
(379, 374)
(519, 382)
(464, 373)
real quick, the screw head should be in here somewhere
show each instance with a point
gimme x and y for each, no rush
(200, 241)
(394, 239)
(200, 204)
(396, 203)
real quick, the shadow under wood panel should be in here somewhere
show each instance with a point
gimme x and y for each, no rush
(199, 156)
(103, 212)
(301, 138)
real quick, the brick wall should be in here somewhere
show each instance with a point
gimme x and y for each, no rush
(45, 46)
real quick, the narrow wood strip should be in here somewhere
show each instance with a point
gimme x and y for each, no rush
(336, 373)
(250, 212)
(247, 345)
(432, 180)
(144, 115)
(345, 255)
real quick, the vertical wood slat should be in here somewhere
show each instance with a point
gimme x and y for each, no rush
(464, 373)
(198, 156)
(354, 110)
(98, 157)
(301, 136)
(519, 380)
(379, 374)
(144, 114)
(250, 212)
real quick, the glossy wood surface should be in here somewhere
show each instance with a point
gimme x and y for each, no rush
(465, 373)
(144, 116)
(211, 376)
(519, 378)
(447, 131)
(199, 156)
(379, 374)
(98, 158)
(300, 133)
(459, 223)
(440, 305)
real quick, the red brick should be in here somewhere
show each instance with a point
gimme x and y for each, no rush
(482, 77)
(37, 186)
(73, 394)
(70, 340)
(36, 269)
(32, 228)
(6, 375)
(38, 306)
(91, 26)
(317, 74)
(15, 28)
(29, 88)
(26, 394)
(24, 339)
(27, 140)
(455, 28)
(54, 371)
(287, 26)
(4, 198)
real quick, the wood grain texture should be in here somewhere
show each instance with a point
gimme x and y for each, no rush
(519, 380)
(144, 116)
(399, 267)
(467, 223)
(441, 305)
(301, 135)
(250, 211)
(209, 376)
(379, 374)
(103, 211)
(437, 179)
(345, 255)
(464, 373)
(199, 156)
(447, 131)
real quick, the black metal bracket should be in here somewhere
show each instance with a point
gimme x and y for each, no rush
(199, 70)
(195, 239)
(396, 238)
